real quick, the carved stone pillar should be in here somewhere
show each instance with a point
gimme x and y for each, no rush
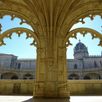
(51, 74)
(51, 71)
(40, 73)
(62, 72)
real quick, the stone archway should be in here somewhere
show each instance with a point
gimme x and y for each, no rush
(92, 76)
(9, 75)
(14, 77)
(73, 77)
(87, 77)
(87, 9)
(28, 76)
(18, 31)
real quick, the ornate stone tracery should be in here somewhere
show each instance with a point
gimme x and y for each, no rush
(83, 31)
(19, 31)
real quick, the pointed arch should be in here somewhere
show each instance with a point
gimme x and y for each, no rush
(19, 31)
(87, 9)
(83, 31)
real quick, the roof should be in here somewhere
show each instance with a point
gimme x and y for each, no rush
(80, 46)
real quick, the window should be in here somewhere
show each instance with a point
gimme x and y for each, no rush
(100, 63)
(75, 66)
(95, 64)
(19, 65)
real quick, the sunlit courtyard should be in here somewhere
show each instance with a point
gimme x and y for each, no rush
(29, 99)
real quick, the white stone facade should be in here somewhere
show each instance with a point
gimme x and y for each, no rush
(83, 66)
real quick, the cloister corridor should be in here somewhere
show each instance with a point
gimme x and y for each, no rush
(51, 22)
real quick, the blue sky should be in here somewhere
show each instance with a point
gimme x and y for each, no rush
(20, 46)
(87, 40)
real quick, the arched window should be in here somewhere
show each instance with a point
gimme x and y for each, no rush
(19, 65)
(73, 77)
(100, 63)
(87, 78)
(23, 35)
(75, 66)
(14, 77)
(95, 64)
(28, 76)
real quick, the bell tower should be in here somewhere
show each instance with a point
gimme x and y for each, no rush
(80, 51)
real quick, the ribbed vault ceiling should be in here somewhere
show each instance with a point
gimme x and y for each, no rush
(51, 17)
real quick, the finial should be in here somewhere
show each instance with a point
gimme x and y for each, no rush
(79, 40)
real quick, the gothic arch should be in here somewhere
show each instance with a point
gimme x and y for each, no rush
(19, 31)
(17, 9)
(92, 76)
(28, 76)
(83, 31)
(23, 11)
(9, 75)
(88, 9)
(73, 76)
(14, 77)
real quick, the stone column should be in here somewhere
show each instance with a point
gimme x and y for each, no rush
(51, 72)
(62, 72)
(40, 73)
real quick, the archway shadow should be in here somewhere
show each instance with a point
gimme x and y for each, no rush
(47, 100)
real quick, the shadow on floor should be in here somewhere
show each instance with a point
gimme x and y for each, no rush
(47, 100)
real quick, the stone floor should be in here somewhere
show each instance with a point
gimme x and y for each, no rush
(29, 99)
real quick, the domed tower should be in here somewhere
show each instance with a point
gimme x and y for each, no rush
(80, 51)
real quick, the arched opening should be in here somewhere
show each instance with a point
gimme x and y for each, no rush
(75, 66)
(17, 56)
(9, 75)
(87, 77)
(92, 76)
(95, 64)
(14, 77)
(86, 52)
(19, 65)
(28, 76)
(73, 77)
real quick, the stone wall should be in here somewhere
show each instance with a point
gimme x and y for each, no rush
(25, 87)
(85, 87)
(16, 87)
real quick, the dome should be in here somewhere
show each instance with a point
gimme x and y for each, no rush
(80, 51)
(80, 46)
